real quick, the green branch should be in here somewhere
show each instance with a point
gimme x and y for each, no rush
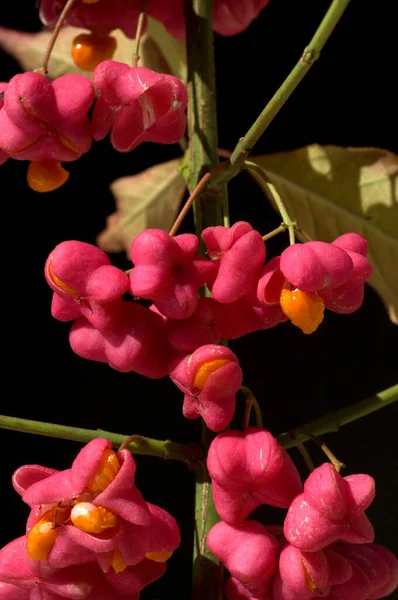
(210, 208)
(260, 176)
(309, 56)
(333, 421)
(141, 445)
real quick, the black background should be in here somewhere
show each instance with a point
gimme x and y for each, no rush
(347, 99)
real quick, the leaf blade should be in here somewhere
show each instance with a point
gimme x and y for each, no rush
(148, 200)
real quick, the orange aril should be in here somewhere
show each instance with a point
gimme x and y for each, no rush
(60, 284)
(158, 556)
(107, 470)
(46, 175)
(206, 369)
(304, 309)
(91, 518)
(117, 561)
(89, 49)
(41, 538)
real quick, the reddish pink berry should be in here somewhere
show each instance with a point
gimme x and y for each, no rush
(8, 591)
(304, 575)
(138, 105)
(392, 583)
(99, 484)
(99, 481)
(375, 571)
(314, 266)
(22, 579)
(135, 340)
(232, 16)
(46, 121)
(322, 275)
(352, 242)
(235, 590)
(247, 315)
(348, 297)
(330, 508)
(202, 328)
(168, 272)
(209, 378)
(85, 283)
(128, 584)
(271, 283)
(3, 155)
(101, 17)
(250, 468)
(229, 16)
(239, 253)
(248, 551)
(39, 581)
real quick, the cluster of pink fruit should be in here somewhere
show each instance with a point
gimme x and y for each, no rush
(102, 16)
(47, 123)
(90, 533)
(325, 547)
(179, 334)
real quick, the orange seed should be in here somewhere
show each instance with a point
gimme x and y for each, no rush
(46, 175)
(106, 472)
(206, 369)
(309, 582)
(63, 286)
(41, 538)
(89, 49)
(91, 518)
(117, 561)
(304, 309)
(158, 556)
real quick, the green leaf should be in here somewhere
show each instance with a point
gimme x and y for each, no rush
(184, 168)
(331, 190)
(173, 51)
(150, 199)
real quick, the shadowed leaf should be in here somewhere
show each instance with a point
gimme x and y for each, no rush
(172, 50)
(148, 200)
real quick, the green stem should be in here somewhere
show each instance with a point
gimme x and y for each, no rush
(44, 64)
(260, 175)
(333, 421)
(138, 35)
(309, 56)
(251, 402)
(274, 232)
(306, 456)
(210, 208)
(142, 445)
(208, 572)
